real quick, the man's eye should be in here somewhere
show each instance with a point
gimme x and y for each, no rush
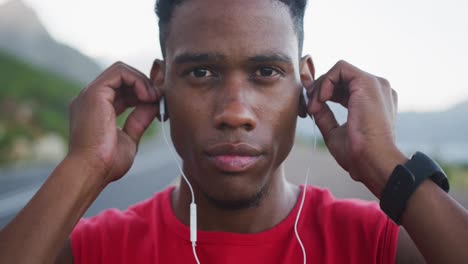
(200, 73)
(266, 72)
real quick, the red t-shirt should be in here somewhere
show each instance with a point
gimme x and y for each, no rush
(333, 231)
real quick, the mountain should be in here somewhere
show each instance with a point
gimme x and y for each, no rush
(450, 126)
(442, 134)
(435, 127)
(23, 35)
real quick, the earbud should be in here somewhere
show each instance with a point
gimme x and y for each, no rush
(306, 98)
(162, 108)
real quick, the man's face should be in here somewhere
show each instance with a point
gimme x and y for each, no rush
(232, 89)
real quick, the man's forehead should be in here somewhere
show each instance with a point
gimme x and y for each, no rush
(229, 5)
(247, 28)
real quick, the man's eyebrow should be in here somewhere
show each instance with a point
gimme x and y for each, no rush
(198, 57)
(271, 57)
(212, 57)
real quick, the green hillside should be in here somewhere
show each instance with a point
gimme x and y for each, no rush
(20, 82)
(32, 102)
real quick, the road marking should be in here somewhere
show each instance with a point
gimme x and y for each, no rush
(11, 203)
(149, 161)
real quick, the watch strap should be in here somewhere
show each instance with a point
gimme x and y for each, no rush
(405, 179)
(426, 167)
(396, 193)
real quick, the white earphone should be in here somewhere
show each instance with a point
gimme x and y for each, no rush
(162, 108)
(304, 93)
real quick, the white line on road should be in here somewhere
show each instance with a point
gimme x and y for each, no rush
(11, 203)
(152, 159)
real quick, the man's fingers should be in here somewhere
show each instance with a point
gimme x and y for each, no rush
(121, 77)
(124, 100)
(139, 120)
(325, 120)
(126, 87)
(123, 87)
(334, 86)
(312, 91)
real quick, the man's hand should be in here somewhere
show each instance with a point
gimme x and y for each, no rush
(364, 145)
(94, 135)
(99, 153)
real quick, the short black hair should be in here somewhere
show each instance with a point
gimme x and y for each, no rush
(165, 8)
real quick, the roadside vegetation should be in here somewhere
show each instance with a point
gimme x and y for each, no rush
(458, 175)
(34, 112)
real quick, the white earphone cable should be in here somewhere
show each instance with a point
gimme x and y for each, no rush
(304, 189)
(195, 253)
(178, 165)
(193, 205)
(297, 218)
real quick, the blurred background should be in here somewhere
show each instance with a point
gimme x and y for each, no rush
(50, 49)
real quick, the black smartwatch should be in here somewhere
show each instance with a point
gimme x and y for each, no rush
(405, 179)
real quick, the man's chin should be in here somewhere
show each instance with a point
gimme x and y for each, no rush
(237, 202)
(232, 191)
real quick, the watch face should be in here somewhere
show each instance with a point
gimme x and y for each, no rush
(398, 189)
(405, 177)
(404, 181)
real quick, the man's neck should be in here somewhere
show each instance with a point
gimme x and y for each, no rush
(274, 206)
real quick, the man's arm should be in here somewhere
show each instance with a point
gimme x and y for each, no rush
(365, 147)
(38, 232)
(66, 255)
(437, 224)
(99, 153)
(407, 252)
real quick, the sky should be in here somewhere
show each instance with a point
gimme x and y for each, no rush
(420, 46)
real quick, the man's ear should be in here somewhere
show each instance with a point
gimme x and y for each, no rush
(157, 75)
(307, 69)
(307, 75)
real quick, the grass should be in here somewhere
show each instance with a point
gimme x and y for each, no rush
(457, 175)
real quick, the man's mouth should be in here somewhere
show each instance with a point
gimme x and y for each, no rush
(233, 158)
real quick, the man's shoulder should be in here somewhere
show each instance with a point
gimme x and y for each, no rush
(118, 232)
(356, 220)
(330, 208)
(140, 213)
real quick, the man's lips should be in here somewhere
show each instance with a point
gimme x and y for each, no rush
(230, 157)
(233, 149)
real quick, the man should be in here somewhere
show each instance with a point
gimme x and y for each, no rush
(231, 78)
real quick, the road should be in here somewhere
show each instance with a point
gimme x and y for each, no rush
(326, 173)
(154, 169)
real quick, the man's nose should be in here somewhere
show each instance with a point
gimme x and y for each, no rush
(233, 109)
